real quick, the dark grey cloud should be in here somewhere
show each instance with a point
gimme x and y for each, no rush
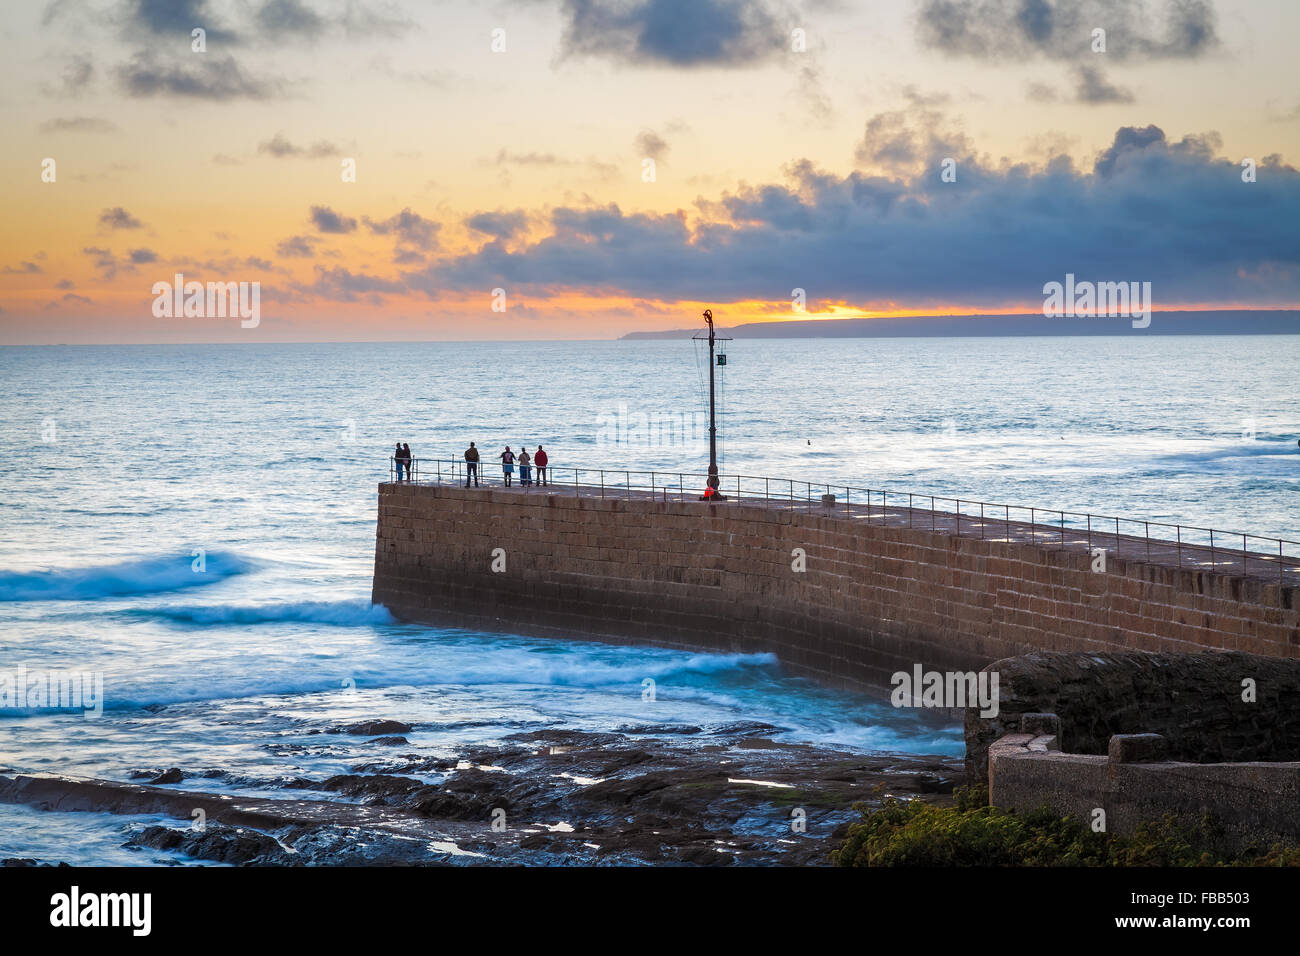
(500, 224)
(1092, 88)
(683, 33)
(176, 18)
(327, 220)
(119, 218)
(290, 18)
(23, 268)
(279, 146)
(409, 227)
(1149, 209)
(65, 284)
(142, 256)
(1013, 30)
(78, 124)
(203, 76)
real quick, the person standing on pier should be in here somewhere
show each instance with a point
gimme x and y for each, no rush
(406, 458)
(471, 465)
(397, 460)
(540, 460)
(525, 469)
(507, 464)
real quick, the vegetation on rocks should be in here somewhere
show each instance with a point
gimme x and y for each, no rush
(972, 833)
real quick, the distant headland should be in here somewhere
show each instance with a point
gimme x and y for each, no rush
(1209, 322)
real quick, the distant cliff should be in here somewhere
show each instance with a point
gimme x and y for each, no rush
(1241, 322)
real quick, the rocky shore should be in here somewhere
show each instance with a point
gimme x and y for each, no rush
(637, 795)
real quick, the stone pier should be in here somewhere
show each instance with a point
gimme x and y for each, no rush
(839, 594)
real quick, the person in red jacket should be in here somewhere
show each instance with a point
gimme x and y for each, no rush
(539, 463)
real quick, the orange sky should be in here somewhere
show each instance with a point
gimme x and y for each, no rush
(211, 163)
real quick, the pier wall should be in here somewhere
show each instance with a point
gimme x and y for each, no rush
(871, 600)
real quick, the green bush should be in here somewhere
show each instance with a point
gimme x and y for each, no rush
(971, 833)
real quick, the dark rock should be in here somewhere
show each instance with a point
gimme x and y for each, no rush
(174, 775)
(370, 728)
(390, 741)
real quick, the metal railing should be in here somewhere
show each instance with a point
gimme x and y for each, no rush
(1184, 546)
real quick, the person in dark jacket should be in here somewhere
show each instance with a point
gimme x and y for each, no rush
(399, 460)
(471, 465)
(508, 464)
(406, 457)
(539, 460)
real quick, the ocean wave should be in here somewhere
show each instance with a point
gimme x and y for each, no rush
(142, 576)
(464, 666)
(341, 613)
(1257, 449)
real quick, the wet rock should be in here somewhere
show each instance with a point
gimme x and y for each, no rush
(371, 728)
(370, 785)
(221, 844)
(660, 729)
(174, 775)
(390, 741)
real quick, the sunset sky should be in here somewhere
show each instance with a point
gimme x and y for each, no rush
(522, 169)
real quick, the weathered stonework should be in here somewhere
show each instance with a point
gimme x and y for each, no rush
(1196, 702)
(873, 599)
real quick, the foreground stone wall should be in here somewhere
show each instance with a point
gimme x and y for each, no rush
(873, 599)
(1195, 701)
(1246, 802)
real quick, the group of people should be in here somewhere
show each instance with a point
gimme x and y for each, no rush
(537, 462)
(527, 463)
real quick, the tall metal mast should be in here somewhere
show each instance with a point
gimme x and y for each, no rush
(713, 480)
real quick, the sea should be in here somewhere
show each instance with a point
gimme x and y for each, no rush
(191, 527)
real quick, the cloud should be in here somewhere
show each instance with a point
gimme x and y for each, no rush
(651, 144)
(992, 238)
(142, 256)
(1093, 88)
(280, 147)
(280, 18)
(410, 227)
(208, 77)
(78, 124)
(105, 261)
(813, 94)
(499, 225)
(342, 285)
(119, 218)
(76, 76)
(73, 297)
(901, 140)
(296, 247)
(327, 220)
(1041, 92)
(64, 284)
(1013, 30)
(175, 18)
(683, 33)
(23, 268)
